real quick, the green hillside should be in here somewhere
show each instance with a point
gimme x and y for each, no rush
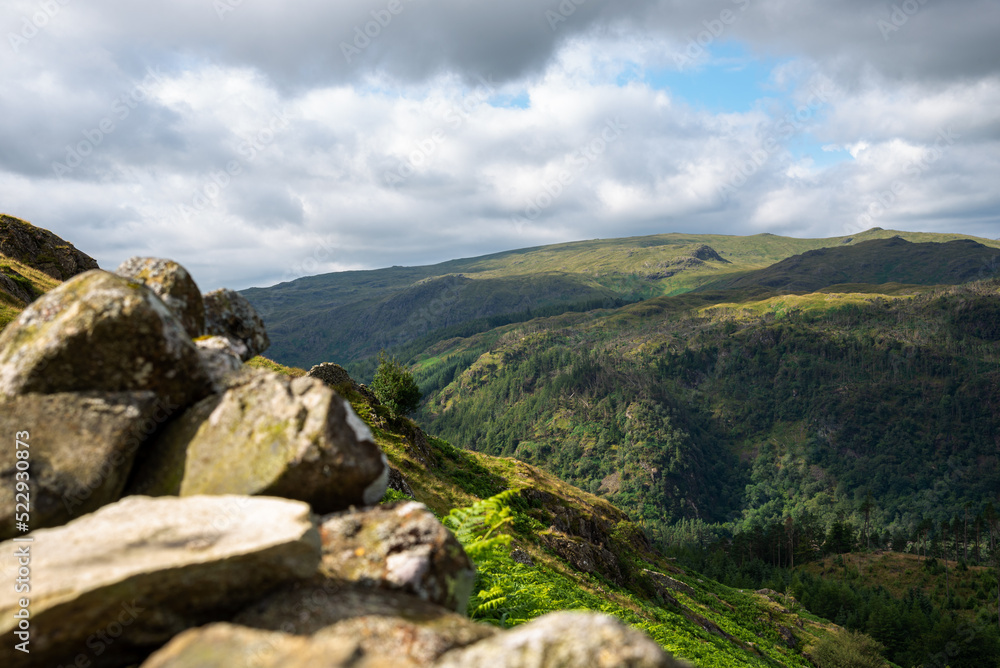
(350, 316)
(878, 261)
(572, 550)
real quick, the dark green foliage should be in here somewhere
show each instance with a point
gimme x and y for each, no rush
(394, 386)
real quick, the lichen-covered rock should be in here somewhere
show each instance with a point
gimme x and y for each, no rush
(398, 546)
(383, 621)
(100, 332)
(41, 249)
(173, 285)
(222, 359)
(268, 435)
(112, 586)
(223, 645)
(81, 447)
(331, 374)
(562, 640)
(229, 314)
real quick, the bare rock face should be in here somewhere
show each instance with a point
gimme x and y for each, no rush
(224, 645)
(173, 285)
(384, 622)
(42, 249)
(80, 448)
(100, 332)
(230, 314)
(398, 546)
(268, 435)
(112, 586)
(563, 639)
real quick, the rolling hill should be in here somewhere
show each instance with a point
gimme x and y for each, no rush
(348, 317)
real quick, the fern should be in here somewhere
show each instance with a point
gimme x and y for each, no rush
(476, 527)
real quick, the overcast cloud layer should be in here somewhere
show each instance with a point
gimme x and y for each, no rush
(256, 141)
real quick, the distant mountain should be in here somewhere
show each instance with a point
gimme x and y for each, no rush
(879, 261)
(348, 317)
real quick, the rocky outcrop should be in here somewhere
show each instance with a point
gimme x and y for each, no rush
(202, 566)
(41, 249)
(80, 446)
(563, 639)
(269, 435)
(114, 585)
(100, 332)
(399, 546)
(173, 285)
(229, 314)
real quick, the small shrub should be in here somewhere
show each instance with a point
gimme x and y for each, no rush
(394, 386)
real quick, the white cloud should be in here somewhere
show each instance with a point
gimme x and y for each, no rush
(275, 146)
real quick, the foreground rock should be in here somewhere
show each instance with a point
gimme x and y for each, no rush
(100, 332)
(173, 285)
(563, 639)
(42, 249)
(398, 546)
(81, 445)
(112, 586)
(229, 314)
(268, 435)
(384, 622)
(221, 358)
(224, 645)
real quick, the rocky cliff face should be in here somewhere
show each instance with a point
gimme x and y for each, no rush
(41, 249)
(189, 511)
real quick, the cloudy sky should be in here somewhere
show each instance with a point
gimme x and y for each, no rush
(256, 141)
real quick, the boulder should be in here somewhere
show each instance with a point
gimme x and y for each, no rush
(331, 374)
(383, 621)
(561, 640)
(268, 435)
(42, 249)
(224, 645)
(173, 285)
(112, 586)
(221, 358)
(100, 332)
(229, 314)
(398, 546)
(80, 450)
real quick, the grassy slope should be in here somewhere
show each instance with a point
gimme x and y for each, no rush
(40, 283)
(697, 619)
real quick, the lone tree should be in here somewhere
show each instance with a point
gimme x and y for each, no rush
(394, 386)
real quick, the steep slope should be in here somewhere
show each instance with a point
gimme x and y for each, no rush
(654, 405)
(349, 316)
(572, 549)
